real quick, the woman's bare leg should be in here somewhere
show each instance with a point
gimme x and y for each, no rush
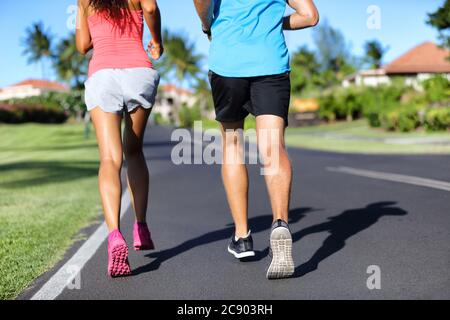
(108, 131)
(138, 176)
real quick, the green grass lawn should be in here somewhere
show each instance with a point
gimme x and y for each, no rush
(358, 137)
(48, 192)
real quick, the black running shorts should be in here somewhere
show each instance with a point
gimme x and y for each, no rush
(236, 98)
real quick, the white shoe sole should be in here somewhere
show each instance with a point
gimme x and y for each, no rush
(282, 265)
(242, 255)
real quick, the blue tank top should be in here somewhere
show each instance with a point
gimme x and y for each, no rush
(248, 39)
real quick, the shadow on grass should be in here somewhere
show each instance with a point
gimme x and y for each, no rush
(258, 224)
(47, 172)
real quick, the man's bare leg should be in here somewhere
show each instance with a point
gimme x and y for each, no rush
(235, 176)
(270, 130)
(278, 174)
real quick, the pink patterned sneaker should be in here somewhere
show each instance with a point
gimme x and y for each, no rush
(118, 265)
(142, 237)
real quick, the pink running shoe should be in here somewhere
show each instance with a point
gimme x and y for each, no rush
(118, 265)
(142, 237)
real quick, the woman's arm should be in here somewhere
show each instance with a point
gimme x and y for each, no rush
(305, 16)
(83, 36)
(205, 10)
(152, 17)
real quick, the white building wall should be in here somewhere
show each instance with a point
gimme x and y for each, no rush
(19, 92)
(373, 81)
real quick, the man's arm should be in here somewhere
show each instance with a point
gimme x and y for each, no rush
(306, 15)
(205, 9)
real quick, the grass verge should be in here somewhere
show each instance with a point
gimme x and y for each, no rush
(48, 192)
(358, 137)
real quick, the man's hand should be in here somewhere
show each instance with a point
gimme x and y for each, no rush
(207, 32)
(155, 49)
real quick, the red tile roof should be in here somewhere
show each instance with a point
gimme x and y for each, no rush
(172, 87)
(425, 58)
(42, 84)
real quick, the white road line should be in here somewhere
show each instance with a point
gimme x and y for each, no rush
(68, 272)
(429, 183)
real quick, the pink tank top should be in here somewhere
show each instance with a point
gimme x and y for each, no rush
(115, 46)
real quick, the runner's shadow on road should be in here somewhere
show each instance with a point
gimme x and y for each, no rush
(257, 224)
(341, 228)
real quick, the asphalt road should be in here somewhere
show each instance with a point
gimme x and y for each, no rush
(341, 225)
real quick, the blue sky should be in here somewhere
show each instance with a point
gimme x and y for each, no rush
(402, 27)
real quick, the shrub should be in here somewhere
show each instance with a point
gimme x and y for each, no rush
(353, 103)
(22, 113)
(408, 119)
(437, 119)
(327, 107)
(437, 89)
(189, 115)
(400, 118)
(158, 118)
(389, 120)
(379, 101)
(349, 105)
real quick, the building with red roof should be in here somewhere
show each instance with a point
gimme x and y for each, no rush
(418, 64)
(31, 88)
(170, 97)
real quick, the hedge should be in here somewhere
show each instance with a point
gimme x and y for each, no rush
(71, 102)
(393, 107)
(354, 103)
(22, 113)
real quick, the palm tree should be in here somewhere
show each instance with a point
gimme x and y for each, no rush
(70, 66)
(38, 45)
(440, 20)
(179, 59)
(374, 53)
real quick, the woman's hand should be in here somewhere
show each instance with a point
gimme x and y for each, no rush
(155, 49)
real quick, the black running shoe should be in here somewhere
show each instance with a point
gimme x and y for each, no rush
(282, 265)
(243, 248)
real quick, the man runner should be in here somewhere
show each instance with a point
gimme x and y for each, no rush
(250, 73)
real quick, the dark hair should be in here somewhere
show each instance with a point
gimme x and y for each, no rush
(116, 10)
(112, 8)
